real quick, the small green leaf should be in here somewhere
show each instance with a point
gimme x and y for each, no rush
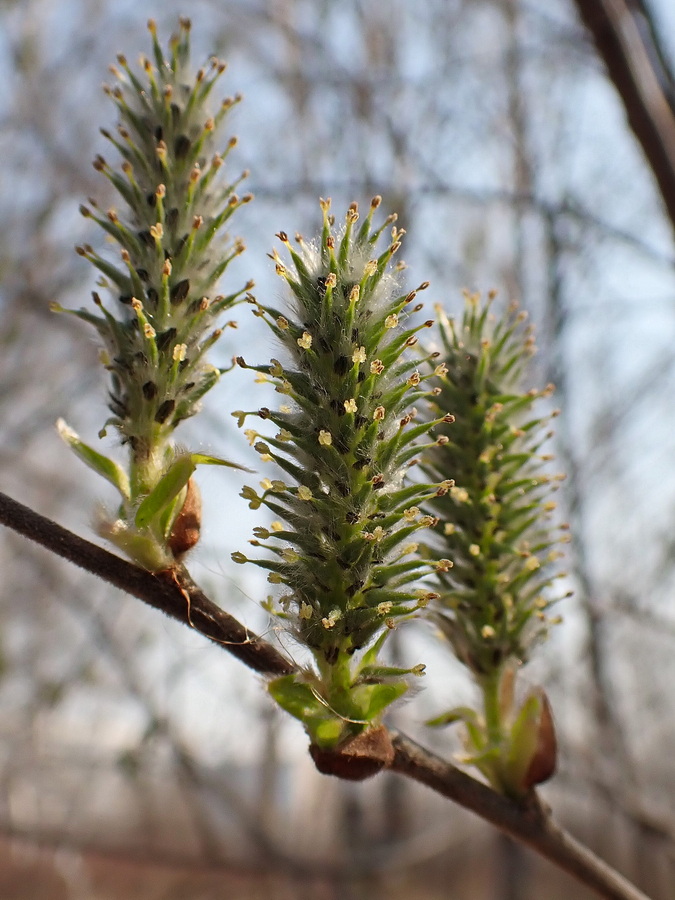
(383, 672)
(370, 656)
(452, 716)
(523, 741)
(383, 695)
(296, 698)
(144, 549)
(172, 483)
(327, 732)
(167, 488)
(205, 459)
(108, 468)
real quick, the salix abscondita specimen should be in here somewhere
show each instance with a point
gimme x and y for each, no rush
(163, 320)
(494, 523)
(344, 539)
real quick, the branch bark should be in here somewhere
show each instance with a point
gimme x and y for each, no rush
(530, 823)
(172, 592)
(177, 595)
(627, 42)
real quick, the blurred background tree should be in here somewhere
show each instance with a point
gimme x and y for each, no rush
(136, 759)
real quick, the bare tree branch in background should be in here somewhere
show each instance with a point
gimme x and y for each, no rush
(627, 41)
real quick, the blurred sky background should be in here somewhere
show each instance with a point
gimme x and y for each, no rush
(491, 128)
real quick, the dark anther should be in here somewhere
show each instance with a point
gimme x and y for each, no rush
(175, 111)
(159, 133)
(331, 655)
(152, 296)
(151, 200)
(144, 236)
(180, 291)
(187, 387)
(117, 407)
(165, 338)
(362, 463)
(342, 365)
(264, 412)
(125, 299)
(360, 421)
(333, 535)
(172, 217)
(179, 246)
(321, 285)
(149, 390)
(164, 411)
(181, 146)
(361, 377)
(354, 588)
(351, 518)
(355, 336)
(143, 274)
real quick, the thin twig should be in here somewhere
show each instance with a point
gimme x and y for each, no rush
(175, 594)
(529, 823)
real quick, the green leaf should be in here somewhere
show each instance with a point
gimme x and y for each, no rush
(327, 732)
(167, 488)
(370, 656)
(172, 483)
(523, 741)
(296, 698)
(144, 549)
(382, 695)
(383, 672)
(205, 459)
(108, 468)
(456, 714)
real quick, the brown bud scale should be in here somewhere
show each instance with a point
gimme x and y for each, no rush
(362, 757)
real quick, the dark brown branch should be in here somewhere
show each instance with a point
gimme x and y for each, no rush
(530, 824)
(172, 592)
(632, 64)
(175, 594)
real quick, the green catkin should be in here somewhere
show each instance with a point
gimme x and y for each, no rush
(164, 311)
(343, 544)
(494, 523)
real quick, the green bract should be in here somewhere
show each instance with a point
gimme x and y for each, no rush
(171, 254)
(344, 540)
(494, 523)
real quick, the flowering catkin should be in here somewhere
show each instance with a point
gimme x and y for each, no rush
(495, 525)
(171, 253)
(344, 541)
